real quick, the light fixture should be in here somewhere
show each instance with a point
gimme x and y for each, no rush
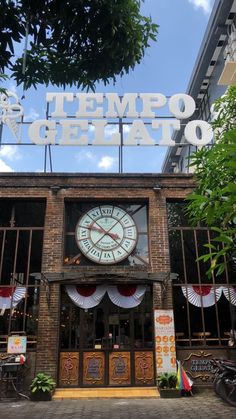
(55, 189)
(157, 188)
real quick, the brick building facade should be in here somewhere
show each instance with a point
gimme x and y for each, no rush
(53, 349)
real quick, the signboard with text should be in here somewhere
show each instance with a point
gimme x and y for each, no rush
(165, 341)
(81, 119)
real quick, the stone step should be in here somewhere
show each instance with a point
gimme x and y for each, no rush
(106, 392)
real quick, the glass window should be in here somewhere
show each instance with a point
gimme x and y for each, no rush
(25, 315)
(180, 313)
(177, 215)
(197, 321)
(21, 213)
(69, 325)
(21, 242)
(8, 256)
(176, 256)
(107, 326)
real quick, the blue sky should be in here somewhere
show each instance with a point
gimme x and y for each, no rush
(166, 68)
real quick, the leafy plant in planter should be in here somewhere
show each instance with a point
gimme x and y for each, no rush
(167, 385)
(42, 387)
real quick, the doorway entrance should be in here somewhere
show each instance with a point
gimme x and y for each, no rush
(106, 345)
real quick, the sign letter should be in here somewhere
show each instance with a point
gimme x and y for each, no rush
(204, 136)
(151, 100)
(114, 101)
(70, 135)
(167, 133)
(59, 103)
(182, 106)
(87, 105)
(138, 135)
(49, 132)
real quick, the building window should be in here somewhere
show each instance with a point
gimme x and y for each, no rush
(106, 325)
(21, 242)
(204, 307)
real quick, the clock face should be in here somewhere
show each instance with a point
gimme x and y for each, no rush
(106, 234)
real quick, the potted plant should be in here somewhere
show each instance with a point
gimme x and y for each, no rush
(167, 385)
(42, 387)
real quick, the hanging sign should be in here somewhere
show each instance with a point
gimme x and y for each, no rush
(164, 341)
(94, 111)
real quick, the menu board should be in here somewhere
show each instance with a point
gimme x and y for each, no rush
(165, 341)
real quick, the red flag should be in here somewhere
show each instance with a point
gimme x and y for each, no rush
(187, 385)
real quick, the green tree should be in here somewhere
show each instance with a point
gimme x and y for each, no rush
(3, 77)
(74, 41)
(214, 200)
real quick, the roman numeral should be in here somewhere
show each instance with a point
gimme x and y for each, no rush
(95, 214)
(86, 244)
(83, 233)
(126, 221)
(107, 255)
(126, 244)
(94, 252)
(106, 211)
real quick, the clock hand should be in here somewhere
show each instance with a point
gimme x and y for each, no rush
(101, 230)
(113, 235)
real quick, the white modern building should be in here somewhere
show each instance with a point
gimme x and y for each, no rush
(214, 71)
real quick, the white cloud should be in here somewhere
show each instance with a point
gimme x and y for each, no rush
(126, 129)
(205, 5)
(31, 115)
(39, 171)
(91, 128)
(111, 129)
(10, 152)
(107, 162)
(88, 159)
(85, 156)
(4, 167)
(114, 128)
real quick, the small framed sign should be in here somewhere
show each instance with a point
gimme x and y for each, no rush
(16, 344)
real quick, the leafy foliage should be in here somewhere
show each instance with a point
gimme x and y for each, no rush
(214, 200)
(3, 77)
(75, 41)
(167, 380)
(42, 382)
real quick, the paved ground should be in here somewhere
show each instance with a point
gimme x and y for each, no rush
(199, 406)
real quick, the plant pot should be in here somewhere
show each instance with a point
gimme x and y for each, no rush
(169, 393)
(41, 396)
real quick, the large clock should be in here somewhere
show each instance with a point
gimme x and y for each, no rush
(106, 234)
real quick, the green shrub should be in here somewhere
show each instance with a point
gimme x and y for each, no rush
(167, 380)
(42, 382)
